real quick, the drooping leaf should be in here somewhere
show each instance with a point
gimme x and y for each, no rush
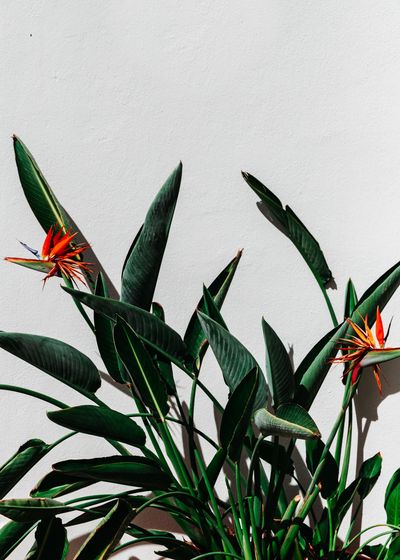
(291, 420)
(139, 472)
(148, 327)
(104, 336)
(102, 541)
(20, 464)
(100, 421)
(58, 359)
(55, 484)
(31, 509)
(236, 417)
(39, 195)
(312, 371)
(100, 510)
(50, 541)
(11, 535)
(142, 266)
(287, 221)
(278, 366)
(392, 499)
(140, 367)
(351, 299)
(234, 359)
(328, 479)
(194, 338)
(164, 365)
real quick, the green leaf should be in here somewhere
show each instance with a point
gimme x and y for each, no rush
(11, 535)
(211, 310)
(104, 336)
(142, 266)
(31, 509)
(278, 366)
(266, 451)
(379, 356)
(99, 421)
(141, 369)
(20, 464)
(236, 417)
(234, 359)
(163, 364)
(212, 471)
(291, 420)
(39, 195)
(51, 541)
(287, 221)
(368, 475)
(392, 500)
(329, 477)
(58, 359)
(313, 369)
(194, 337)
(139, 472)
(101, 542)
(148, 327)
(55, 484)
(351, 299)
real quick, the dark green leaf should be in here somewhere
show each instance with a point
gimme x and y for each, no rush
(148, 327)
(102, 541)
(328, 478)
(142, 266)
(266, 452)
(212, 471)
(133, 471)
(351, 299)
(104, 336)
(211, 310)
(11, 535)
(100, 421)
(50, 541)
(291, 420)
(58, 359)
(369, 473)
(98, 511)
(164, 365)
(31, 509)
(21, 463)
(194, 337)
(278, 366)
(236, 417)
(56, 484)
(141, 369)
(39, 195)
(287, 222)
(234, 359)
(392, 499)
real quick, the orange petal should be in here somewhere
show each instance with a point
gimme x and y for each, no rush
(361, 334)
(380, 334)
(377, 378)
(62, 244)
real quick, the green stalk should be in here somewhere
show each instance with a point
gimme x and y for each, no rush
(254, 530)
(359, 549)
(246, 539)
(329, 304)
(35, 394)
(347, 451)
(313, 489)
(254, 457)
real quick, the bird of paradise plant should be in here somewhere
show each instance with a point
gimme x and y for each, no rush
(263, 420)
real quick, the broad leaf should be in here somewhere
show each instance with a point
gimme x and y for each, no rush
(328, 479)
(142, 266)
(100, 421)
(194, 337)
(234, 359)
(56, 484)
(148, 327)
(39, 195)
(163, 364)
(50, 541)
(20, 464)
(287, 221)
(369, 473)
(278, 366)
(351, 299)
(267, 451)
(392, 499)
(142, 372)
(236, 417)
(133, 471)
(31, 509)
(58, 359)
(291, 420)
(103, 327)
(11, 535)
(101, 542)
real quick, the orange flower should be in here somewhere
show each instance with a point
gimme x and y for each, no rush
(364, 350)
(59, 257)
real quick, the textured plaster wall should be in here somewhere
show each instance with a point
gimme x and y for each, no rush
(110, 95)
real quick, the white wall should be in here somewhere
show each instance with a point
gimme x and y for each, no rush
(110, 95)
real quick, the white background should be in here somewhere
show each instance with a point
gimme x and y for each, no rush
(109, 96)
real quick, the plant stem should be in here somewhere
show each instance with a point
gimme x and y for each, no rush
(35, 394)
(328, 303)
(246, 538)
(359, 549)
